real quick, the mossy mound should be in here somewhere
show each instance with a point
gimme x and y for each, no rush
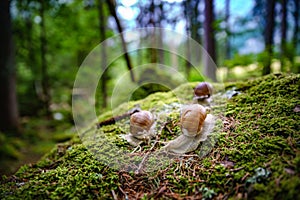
(257, 155)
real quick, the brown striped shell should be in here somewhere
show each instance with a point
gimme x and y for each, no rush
(203, 89)
(141, 121)
(192, 119)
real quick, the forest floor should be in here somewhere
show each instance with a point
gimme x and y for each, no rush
(38, 136)
(254, 151)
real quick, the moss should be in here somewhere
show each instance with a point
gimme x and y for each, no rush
(259, 130)
(74, 174)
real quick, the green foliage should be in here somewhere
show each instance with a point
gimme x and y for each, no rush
(9, 147)
(146, 85)
(72, 31)
(147, 89)
(64, 177)
(240, 60)
(207, 193)
(263, 58)
(39, 135)
(260, 176)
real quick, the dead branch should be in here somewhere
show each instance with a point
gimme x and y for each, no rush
(114, 119)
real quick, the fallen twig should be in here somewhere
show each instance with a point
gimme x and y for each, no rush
(236, 169)
(123, 192)
(114, 119)
(141, 165)
(114, 195)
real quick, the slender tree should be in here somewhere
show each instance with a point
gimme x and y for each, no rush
(153, 53)
(188, 66)
(296, 68)
(194, 21)
(161, 56)
(30, 45)
(152, 14)
(102, 30)
(9, 118)
(112, 8)
(269, 34)
(191, 12)
(227, 15)
(209, 44)
(296, 20)
(45, 79)
(283, 33)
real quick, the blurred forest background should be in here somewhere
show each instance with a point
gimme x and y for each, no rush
(43, 43)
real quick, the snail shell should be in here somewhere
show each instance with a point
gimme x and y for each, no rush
(184, 144)
(192, 119)
(140, 122)
(196, 125)
(141, 128)
(203, 90)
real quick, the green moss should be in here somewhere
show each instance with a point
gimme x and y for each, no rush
(259, 129)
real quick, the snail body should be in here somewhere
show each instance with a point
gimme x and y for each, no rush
(195, 126)
(141, 127)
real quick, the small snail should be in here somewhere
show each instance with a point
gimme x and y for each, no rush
(192, 119)
(195, 126)
(141, 127)
(202, 92)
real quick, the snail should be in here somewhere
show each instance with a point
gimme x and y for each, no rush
(196, 124)
(141, 127)
(203, 92)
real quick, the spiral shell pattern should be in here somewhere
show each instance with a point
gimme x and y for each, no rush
(192, 119)
(203, 89)
(140, 122)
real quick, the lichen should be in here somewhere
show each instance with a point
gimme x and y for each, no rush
(259, 130)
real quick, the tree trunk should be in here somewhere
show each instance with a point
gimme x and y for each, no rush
(153, 53)
(296, 19)
(45, 78)
(102, 29)
(227, 43)
(196, 24)
(283, 34)
(296, 69)
(112, 9)
(209, 69)
(161, 57)
(193, 25)
(269, 31)
(188, 65)
(9, 117)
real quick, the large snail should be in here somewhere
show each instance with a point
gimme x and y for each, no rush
(196, 124)
(141, 127)
(203, 92)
